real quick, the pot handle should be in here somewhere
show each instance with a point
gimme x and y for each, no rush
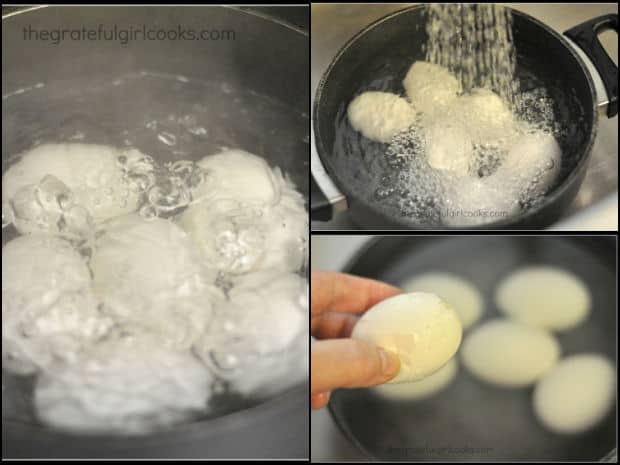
(325, 198)
(320, 208)
(585, 35)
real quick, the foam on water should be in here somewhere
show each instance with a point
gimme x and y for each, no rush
(462, 169)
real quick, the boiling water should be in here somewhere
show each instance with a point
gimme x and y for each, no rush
(403, 180)
(475, 43)
(173, 121)
(439, 197)
(168, 117)
(397, 178)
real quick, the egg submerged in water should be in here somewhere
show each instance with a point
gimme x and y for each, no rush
(123, 303)
(240, 175)
(247, 217)
(123, 384)
(462, 295)
(149, 276)
(509, 354)
(68, 182)
(52, 317)
(544, 296)
(379, 116)
(576, 394)
(430, 87)
(259, 335)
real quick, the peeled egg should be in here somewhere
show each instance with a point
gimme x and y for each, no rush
(544, 296)
(509, 354)
(463, 296)
(422, 329)
(576, 394)
(379, 116)
(418, 390)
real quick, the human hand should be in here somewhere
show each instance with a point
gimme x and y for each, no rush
(337, 360)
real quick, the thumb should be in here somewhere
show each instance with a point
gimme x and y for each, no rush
(340, 363)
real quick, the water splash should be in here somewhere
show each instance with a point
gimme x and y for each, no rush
(475, 43)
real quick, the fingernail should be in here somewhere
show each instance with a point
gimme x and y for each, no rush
(320, 400)
(390, 363)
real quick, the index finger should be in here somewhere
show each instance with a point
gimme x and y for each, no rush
(338, 292)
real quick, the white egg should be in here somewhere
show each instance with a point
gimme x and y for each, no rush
(231, 236)
(533, 163)
(449, 147)
(39, 209)
(287, 232)
(526, 173)
(423, 330)
(49, 312)
(238, 237)
(379, 116)
(576, 394)
(263, 316)
(76, 175)
(273, 375)
(150, 277)
(238, 175)
(456, 291)
(509, 354)
(431, 88)
(487, 116)
(544, 296)
(419, 390)
(124, 384)
(258, 332)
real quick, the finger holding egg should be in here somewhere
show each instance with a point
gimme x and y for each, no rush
(422, 329)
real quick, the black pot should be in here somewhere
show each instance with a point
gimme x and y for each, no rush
(380, 55)
(267, 57)
(470, 420)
